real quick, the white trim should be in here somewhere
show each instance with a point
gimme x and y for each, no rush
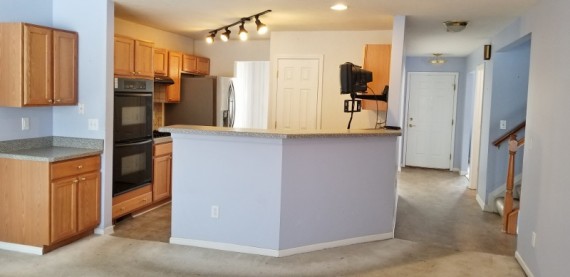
(524, 266)
(463, 173)
(480, 201)
(455, 169)
(153, 208)
(105, 230)
(22, 248)
(453, 115)
(278, 253)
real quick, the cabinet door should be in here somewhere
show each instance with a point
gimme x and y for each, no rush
(64, 68)
(37, 66)
(189, 63)
(160, 62)
(144, 56)
(124, 62)
(88, 201)
(174, 67)
(63, 211)
(203, 65)
(377, 60)
(162, 175)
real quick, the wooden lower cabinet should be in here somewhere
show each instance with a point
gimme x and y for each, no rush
(61, 200)
(132, 201)
(162, 171)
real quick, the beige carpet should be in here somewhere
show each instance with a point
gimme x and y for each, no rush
(440, 231)
(112, 256)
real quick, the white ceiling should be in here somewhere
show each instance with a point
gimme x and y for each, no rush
(425, 33)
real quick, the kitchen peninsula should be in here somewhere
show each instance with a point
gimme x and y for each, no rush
(281, 192)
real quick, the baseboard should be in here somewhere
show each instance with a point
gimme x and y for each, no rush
(278, 253)
(463, 173)
(151, 209)
(455, 169)
(523, 264)
(480, 202)
(22, 248)
(104, 231)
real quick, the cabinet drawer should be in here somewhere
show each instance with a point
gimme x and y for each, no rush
(163, 149)
(132, 204)
(74, 167)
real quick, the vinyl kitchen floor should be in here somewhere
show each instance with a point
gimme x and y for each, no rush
(153, 225)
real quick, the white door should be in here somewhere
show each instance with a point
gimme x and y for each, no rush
(297, 94)
(476, 130)
(430, 119)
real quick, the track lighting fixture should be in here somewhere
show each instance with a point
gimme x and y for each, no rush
(243, 34)
(210, 38)
(225, 35)
(261, 28)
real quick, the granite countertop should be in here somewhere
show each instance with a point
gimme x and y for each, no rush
(50, 149)
(273, 133)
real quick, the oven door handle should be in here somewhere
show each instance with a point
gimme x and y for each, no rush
(133, 143)
(133, 94)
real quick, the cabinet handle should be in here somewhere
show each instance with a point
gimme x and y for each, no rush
(75, 181)
(122, 208)
(83, 179)
(50, 100)
(80, 166)
(58, 100)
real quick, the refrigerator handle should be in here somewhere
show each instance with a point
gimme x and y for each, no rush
(231, 105)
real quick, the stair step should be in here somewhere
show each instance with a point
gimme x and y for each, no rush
(500, 204)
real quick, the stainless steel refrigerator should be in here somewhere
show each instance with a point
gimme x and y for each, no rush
(197, 104)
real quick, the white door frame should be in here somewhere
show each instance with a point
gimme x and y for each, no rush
(273, 95)
(453, 116)
(475, 147)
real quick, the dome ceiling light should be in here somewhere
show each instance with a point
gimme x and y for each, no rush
(454, 26)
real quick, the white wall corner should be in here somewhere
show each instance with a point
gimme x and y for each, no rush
(524, 266)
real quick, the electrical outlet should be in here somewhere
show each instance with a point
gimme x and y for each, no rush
(81, 108)
(25, 123)
(93, 124)
(503, 124)
(533, 239)
(215, 211)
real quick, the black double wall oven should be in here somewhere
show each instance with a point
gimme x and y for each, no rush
(132, 146)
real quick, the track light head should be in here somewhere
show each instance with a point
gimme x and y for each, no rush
(226, 35)
(210, 38)
(242, 32)
(261, 28)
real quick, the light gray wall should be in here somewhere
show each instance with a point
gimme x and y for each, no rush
(509, 101)
(350, 195)
(223, 55)
(36, 12)
(545, 190)
(455, 65)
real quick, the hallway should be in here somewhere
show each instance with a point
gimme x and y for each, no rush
(436, 207)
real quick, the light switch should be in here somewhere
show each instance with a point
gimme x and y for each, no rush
(25, 123)
(81, 108)
(503, 124)
(93, 124)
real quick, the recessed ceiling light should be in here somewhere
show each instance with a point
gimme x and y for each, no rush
(339, 7)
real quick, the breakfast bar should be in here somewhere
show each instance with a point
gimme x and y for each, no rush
(281, 192)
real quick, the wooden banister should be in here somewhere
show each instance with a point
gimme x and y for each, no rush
(510, 214)
(508, 134)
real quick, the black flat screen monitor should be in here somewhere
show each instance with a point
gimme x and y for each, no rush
(353, 78)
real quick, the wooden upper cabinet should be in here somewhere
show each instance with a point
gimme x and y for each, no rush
(65, 68)
(38, 83)
(189, 63)
(160, 62)
(124, 61)
(203, 66)
(144, 56)
(377, 60)
(41, 68)
(133, 58)
(174, 71)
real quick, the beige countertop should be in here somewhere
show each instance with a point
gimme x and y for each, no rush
(275, 133)
(50, 149)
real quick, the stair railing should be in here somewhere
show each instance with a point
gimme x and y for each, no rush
(510, 214)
